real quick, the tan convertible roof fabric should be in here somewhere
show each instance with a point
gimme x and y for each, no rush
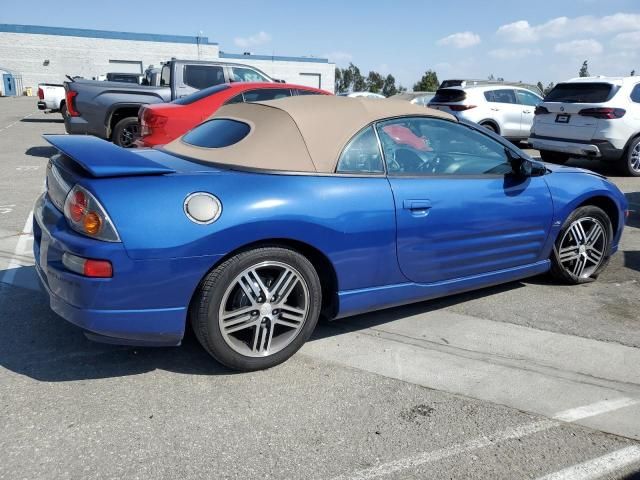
(299, 134)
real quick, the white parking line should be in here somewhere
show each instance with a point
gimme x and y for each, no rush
(598, 467)
(571, 415)
(22, 253)
(15, 123)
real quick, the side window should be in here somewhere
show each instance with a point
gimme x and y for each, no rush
(500, 96)
(243, 74)
(237, 99)
(528, 98)
(203, 76)
(421, 146)
(362, 154)
(635, 94)
(264, 94)
(165, 76)
(307, 92)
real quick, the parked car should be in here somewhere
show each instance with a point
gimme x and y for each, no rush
(502, 107)
(125, 77)
(593, 117)
(269, 214)
(164, 122)
(361, 94)
(109, 110)
(51, 97)
(417, 98)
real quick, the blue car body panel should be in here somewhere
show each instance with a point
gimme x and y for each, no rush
(389, 240)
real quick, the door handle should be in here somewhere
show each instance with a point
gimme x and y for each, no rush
(417, 207)
(526, 111)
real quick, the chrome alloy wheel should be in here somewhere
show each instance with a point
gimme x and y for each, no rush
(264, 309)
(634, 161)
(582, 247)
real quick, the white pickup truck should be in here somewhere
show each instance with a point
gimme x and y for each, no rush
(51, 97)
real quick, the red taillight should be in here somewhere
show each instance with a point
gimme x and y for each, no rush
(460, 108)
(87, 267)
(540, 110)
(150, 121)
(71, 103)
(40, 94)
(78, 206)
(604, 113)
(98, 268)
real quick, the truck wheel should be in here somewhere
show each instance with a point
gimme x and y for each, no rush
(554, 157)
(630, 161)
(63, 111)
(126, 132)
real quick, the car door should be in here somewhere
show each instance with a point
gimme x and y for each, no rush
(529, 101)
(460, 212)
(506, 110)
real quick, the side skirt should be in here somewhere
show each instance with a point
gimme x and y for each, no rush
(353, 302)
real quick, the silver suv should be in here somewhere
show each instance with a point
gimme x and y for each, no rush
(504, 108)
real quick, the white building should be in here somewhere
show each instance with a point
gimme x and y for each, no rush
(46, 54)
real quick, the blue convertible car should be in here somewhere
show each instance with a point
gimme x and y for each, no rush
(268, 215)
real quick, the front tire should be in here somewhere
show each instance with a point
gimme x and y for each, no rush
(581, 250)
(255, 310)
(630, 161)
(554, 157)
(490, 126)
(126, 132)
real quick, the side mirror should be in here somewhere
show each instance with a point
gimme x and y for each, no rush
(520, 166)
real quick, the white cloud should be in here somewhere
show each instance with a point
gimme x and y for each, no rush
(259, 38)
(338, 57)
(460, 40)
(559, 27)
(627, 41)
(511, 53)
(579, 48)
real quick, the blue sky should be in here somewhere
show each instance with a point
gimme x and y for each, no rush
(544, 40)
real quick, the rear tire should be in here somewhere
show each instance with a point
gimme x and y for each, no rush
(630, 161)
(126, 132)
(554, 157)
(581, 250)
(63, 111)
(490, 126)
(255, 310)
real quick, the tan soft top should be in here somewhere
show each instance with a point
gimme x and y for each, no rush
(299, 134)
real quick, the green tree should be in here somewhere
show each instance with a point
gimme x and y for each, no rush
(540, 86)
(359, 82)
(375, 82)
(389, 87)
(549, 88)
(428, 83)
(633, 73)
(339, 87)
(491, 77)
(584, 69)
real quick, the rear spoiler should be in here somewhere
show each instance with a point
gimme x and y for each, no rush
(104, 159)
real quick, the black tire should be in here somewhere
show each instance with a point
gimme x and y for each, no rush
(205, 307)
(490, 126)
(561, 272)
(630, 161)
(126, 132)
(554, 157)
(63, 111)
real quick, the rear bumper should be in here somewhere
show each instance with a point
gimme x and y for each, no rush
(42, 105)
(80, 126)
(600, 149)
(119, 310)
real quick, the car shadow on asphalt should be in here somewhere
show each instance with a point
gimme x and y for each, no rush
(39, 344)
(380, 317)
(44, 152)
(42, 120)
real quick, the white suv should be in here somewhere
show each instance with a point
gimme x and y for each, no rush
(592, 117)
(506, 109)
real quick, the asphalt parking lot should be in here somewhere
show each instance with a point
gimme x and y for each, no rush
(526, 380)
